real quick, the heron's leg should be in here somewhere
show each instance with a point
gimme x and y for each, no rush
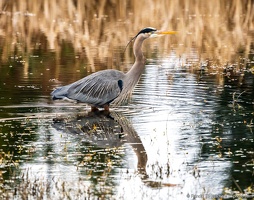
(94, 109)
(106, 107)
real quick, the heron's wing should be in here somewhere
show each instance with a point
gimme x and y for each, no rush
(97, 89)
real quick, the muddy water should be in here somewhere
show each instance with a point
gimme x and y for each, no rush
(185, 134)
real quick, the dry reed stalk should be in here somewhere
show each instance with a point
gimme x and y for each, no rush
(217, 29)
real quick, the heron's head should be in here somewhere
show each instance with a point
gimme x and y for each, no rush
(150, 32)
(146, 32)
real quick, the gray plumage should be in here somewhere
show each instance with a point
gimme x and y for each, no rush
(97, 89)
(108, 86)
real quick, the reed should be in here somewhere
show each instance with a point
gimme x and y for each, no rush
(215, 30)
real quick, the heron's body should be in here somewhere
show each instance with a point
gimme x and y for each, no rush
(98, 89)
(102, 88)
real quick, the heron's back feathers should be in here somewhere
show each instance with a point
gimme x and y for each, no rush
(97, 89)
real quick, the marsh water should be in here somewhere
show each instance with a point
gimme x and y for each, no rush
(187, 132)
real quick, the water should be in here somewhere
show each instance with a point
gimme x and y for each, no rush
(184, 135)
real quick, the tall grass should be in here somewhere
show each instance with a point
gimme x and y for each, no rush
(215, 29)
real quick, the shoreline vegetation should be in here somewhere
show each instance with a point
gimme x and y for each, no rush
(216, 30)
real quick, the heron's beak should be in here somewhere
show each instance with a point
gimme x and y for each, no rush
(161, 33)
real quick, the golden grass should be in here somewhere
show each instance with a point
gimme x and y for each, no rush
(216, 30)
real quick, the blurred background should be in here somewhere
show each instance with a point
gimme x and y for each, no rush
(219, 31)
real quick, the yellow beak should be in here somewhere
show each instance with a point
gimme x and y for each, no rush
(161, 33)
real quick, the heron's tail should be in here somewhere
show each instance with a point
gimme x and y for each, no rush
(59, 93)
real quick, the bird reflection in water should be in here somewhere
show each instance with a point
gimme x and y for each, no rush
(105, 130)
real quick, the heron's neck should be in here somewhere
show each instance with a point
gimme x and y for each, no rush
(138, 67)
(137, 50)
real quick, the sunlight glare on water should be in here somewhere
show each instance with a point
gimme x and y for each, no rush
(170, 129)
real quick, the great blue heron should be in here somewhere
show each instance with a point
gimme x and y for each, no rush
(109, 86)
